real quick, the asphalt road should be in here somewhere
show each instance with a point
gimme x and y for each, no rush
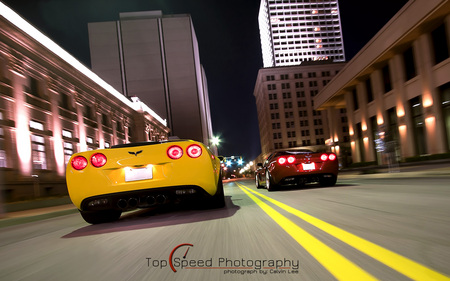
(364, 228)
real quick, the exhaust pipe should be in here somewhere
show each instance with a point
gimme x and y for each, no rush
(132, 202)
(122, 203)
(150, 200)
(161, 199)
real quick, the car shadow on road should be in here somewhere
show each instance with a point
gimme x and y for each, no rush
(158, 217)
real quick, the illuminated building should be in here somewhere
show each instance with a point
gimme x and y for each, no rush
(295, 31)
(285, 105)
(52, 106)
(398, 86)
(156, 57)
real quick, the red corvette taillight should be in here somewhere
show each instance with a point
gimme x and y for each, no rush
(98, 160)
(325, 157)
(332, 157)
(175, 152)
(291, 159)
(79, 163)
(194, 151)
(281, 160)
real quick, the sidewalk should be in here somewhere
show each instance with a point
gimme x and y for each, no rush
(34, 210)
(438, 168)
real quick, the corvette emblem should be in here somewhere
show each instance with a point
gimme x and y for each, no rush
(135, 153)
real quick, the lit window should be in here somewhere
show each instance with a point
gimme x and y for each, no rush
(89, 140)
(67, 134)
(36, 125)
(38, 152)
(2, 159)
(68, 151)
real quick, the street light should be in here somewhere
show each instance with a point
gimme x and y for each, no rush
(215, 141)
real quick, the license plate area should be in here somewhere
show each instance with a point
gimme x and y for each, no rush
(137, 174)
(308, 166)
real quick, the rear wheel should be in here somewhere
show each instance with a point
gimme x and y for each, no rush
(218, 199)
(269, 182)
(95, 217)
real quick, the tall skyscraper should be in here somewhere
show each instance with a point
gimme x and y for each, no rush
(156, 58)
(294, 31)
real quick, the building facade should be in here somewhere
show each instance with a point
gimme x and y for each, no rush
(285, 106)
(295, 31)
(52, 106)
(397, 88)
(156, 58)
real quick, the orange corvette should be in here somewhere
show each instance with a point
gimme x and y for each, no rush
(297, 167)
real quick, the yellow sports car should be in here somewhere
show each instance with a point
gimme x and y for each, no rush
(105, 182)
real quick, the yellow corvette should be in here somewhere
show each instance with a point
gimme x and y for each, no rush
(105, 182)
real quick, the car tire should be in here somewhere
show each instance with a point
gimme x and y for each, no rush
(328, 181)
(218, 199)
(96, 217)
(270, 186)
(257, 182)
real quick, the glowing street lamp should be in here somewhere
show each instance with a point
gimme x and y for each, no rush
(215, 141)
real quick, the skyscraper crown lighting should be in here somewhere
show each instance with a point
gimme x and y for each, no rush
(294, 31)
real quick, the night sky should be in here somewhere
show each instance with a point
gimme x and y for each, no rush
(228, 37)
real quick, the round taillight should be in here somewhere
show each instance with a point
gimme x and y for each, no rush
(79, 163)
(332, 157)
(324, 157)
(98, 160)
(175, 152)
(291, 159)
(281, 160)
(194, 151)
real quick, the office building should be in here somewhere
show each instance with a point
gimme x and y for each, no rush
(284, 102)
(156, 57)
(295, 31)
(396, 90)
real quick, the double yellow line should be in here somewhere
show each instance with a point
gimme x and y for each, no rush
(335, 263)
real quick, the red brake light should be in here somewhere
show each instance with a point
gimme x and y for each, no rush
(291, 159)
(175, 152)
(281, 160)
(194, 151)
(324, 157)
(79, 163)
(332, 157)
(98, 160)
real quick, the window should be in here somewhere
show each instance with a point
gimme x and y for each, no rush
(368, 84)
(355, 99)
(88, 112)
(409, 64)
(67, 134)
(38, 152)
(34, 86)
(386, 78)
(36, 125)
(68, 151)
(440, 45)
(65, 101)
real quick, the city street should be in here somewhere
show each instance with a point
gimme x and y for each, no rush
(367, 227)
